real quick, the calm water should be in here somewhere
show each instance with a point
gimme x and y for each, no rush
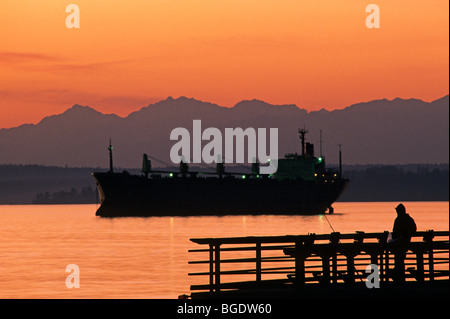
(147, 257)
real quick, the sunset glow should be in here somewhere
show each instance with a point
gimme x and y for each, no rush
(128, 54)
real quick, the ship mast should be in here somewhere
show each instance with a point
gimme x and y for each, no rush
(320, 143)
(302, 133)
(110, 148)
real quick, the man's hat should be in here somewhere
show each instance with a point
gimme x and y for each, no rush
(400, 208)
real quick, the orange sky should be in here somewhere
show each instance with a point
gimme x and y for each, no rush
(130, 53)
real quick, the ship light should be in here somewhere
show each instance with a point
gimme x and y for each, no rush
(171, 174)
(243, 176)
(315, 174)
(320, 159)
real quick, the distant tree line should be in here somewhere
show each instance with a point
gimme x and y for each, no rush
(87, 195)
(397, 183)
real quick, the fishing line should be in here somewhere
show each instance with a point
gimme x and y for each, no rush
(354, 268)
(329, 222)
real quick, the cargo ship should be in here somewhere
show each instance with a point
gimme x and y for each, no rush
(301, 186)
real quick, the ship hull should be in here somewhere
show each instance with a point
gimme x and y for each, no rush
(122, 194)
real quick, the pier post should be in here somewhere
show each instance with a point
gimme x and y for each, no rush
(386, 265)
(428, 238)
(420, 268)
(214, 267)
(299, 264)
(382, 268)
(217, 267)
(211, 267)
(334, 268)
(258, 261)
(326, 268)
(431, 263)
(351, 268)
(382, 241)
(334, 241)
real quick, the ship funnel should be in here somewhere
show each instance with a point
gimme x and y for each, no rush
(309, 150)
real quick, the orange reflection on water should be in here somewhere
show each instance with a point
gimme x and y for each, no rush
(148, 257)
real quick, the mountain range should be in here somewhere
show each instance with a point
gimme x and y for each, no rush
(399, 131)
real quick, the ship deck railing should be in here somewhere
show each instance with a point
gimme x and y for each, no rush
(264, 262)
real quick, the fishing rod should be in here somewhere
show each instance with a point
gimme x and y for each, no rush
(331, 226)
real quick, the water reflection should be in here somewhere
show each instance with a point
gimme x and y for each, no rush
(148, 257)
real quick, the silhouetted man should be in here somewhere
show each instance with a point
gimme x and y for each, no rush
(404, 228)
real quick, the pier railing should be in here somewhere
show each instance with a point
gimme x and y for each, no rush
(284, 261)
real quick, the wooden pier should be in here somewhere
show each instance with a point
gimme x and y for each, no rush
(324, 265)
